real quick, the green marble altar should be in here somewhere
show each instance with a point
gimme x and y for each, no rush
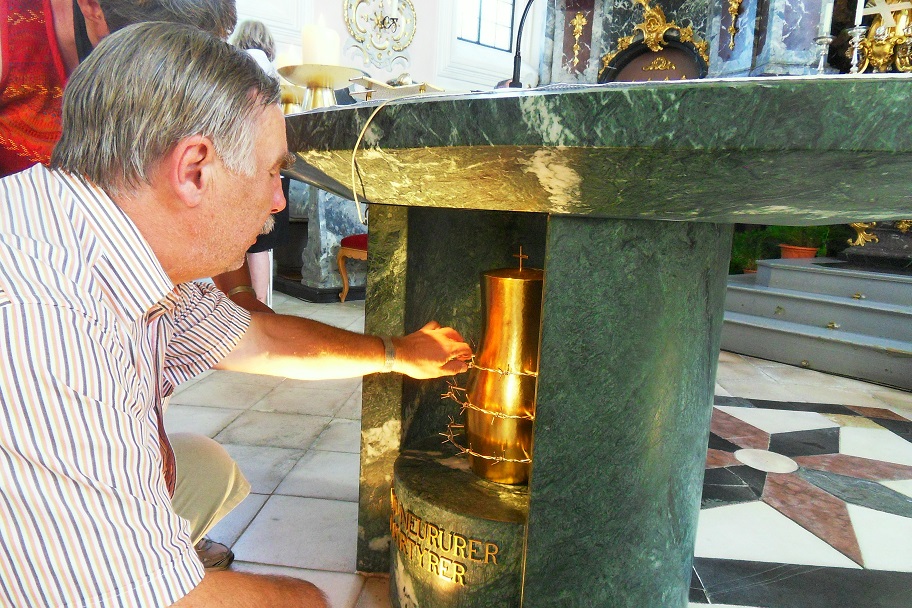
(625, 195)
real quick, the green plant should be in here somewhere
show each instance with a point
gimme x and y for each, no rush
(747, 248)
(800, 236)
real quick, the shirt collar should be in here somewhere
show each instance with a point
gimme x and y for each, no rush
(130, 273)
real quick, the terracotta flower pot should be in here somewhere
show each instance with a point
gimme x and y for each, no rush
(794, 251)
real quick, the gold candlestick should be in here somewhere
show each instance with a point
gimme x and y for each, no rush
(319, 82)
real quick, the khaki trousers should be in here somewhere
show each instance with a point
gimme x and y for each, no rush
(209, 482)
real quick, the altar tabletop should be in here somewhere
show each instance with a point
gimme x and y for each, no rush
(789, 150)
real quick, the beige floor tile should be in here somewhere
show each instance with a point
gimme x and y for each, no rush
(319, 474)
(346, 385)
(742, 371)
(352, 407)
(341, 589)
(306, 533)
(217, 392)
(264, 467)
(755, 387)
(230, 528)
(292, 400)
(341, 436)
(193, 381)
(896, 400)
(729, 357)
(721, 392)
(375, 593)
(824, 393)
(219, 375)
(296, 431)
(208, 421)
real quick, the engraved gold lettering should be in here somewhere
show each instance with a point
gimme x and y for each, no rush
(433, 563)
(490, 552)
(433, 535)
(459, 571)
(460, 543)
(474, 547)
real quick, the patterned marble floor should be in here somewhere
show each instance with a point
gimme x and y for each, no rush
(806, 501)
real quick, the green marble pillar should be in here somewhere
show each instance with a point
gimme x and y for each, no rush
(631, 328)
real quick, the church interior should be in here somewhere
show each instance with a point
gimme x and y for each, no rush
(713, 424)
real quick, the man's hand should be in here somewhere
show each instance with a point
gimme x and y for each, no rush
(430, 352)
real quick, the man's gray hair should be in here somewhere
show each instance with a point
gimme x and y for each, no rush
(146, 88)
(254, 35)
(214, 16)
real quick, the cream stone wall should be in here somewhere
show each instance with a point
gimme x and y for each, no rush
(435, 55)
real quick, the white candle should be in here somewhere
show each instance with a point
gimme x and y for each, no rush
(320, 45)
(858, 11)
(827, 21)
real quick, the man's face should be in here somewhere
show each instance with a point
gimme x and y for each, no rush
(246, 203)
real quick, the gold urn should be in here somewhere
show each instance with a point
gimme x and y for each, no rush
(501, 388)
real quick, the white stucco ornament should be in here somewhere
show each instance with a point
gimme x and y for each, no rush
(381, 30)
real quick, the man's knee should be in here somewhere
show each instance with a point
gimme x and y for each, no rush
(229, 589)
(209, 482)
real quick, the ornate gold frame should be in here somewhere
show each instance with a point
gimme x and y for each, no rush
(653, 28)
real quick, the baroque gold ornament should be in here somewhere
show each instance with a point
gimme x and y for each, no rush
(863, 237)
(652, 30)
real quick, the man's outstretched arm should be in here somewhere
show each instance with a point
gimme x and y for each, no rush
(281, 345)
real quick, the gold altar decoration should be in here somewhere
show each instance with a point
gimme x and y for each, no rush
(499, 400)
(578, 22)
(733, 7)
(903, 225)
(863, 237)
(318, 83)
(888, 42)
(659, 64)
(653, 29)
(382, 30)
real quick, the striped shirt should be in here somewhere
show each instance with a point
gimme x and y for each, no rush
(93, 335)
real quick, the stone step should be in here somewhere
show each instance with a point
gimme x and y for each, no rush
(823, 276)
(838, 314)
(868, 358)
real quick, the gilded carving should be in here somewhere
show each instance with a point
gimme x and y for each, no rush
(903, 225)
(888, 42)
(653, 29)
(733, 7)
(578, 23)
(863, 236)
(659, 64)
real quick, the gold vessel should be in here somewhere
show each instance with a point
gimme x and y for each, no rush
(500, 395)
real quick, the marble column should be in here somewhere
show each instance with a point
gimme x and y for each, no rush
(631, 328)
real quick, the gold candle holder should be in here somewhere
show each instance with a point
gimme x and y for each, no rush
(318, 82)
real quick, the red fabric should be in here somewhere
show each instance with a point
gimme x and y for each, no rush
(355, 241)
(32, 84)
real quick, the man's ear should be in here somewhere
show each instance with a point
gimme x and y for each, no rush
(96, 25)
(190, 169)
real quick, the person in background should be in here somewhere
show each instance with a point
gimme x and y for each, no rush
(166, 170)
(51, 38)
(254, 37)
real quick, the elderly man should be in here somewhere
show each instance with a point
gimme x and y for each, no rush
(167, 168)
(51, 37)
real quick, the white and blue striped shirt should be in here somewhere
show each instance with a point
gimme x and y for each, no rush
(93, 335)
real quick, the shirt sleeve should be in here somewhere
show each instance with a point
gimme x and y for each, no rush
(206, 326)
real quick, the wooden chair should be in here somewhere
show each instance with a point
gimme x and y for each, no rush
(355, 247)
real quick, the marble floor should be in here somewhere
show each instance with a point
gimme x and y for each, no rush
(807, 500)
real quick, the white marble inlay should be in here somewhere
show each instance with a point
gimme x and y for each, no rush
(876, 444)
(903, 486)
(779, 421)
(755, 531)
(764, 460)
(884, 539)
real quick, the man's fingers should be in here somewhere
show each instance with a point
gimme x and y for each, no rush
(454, 367)
(430, 325)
